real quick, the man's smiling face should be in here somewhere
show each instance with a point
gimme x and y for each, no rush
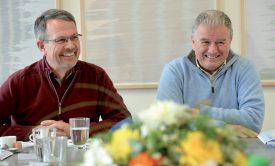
(61, 56)
(211, 44)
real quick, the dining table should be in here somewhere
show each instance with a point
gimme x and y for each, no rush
(254, 146)
(26, 156)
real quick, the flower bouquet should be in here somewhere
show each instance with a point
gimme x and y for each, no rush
(167, 134)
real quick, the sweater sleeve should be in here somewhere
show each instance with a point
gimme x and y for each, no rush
(8, 103)
(111, 106)
(21, 132)
(250, 113)
(170, 85)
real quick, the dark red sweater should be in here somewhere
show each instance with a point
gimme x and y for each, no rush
(28, 97)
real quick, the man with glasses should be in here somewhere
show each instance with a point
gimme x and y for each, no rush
(59, 86)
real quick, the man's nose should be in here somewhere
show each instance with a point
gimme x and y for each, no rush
(213, 48)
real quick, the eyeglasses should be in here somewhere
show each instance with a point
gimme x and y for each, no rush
(63, 40)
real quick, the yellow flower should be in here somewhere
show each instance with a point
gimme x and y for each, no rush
(197, 150)
(240, 159)
(119, 146)
(164, 135)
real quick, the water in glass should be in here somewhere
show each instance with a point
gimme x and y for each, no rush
(79, 131)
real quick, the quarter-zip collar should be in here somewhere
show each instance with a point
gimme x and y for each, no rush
(212, 77)
(50, 75)
(229, 61)
(206, 72)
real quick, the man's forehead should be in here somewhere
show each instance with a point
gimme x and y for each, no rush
(57, 27)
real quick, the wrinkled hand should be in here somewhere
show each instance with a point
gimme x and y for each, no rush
(195, 111)
(242, 132)
(62, 128)
(197, 107)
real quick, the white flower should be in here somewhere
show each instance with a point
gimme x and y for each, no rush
(97, 155)
(210, 163)
(163, 113)
(144, 131)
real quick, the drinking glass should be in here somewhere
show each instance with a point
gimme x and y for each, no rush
(79, 131)
(55, 150)
(38, 133)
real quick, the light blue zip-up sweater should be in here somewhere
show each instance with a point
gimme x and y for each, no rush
(235, 91)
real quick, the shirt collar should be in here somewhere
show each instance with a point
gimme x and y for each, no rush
(206, 72)
(72, 71)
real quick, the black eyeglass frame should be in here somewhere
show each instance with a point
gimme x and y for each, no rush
(63, 40)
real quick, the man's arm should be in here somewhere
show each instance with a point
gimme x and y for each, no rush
(169, 87)
(110, 106)
(9, 92)
(250, 113)
(21, 132)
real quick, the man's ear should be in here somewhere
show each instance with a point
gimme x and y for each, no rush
(41, 46)
(193, 42)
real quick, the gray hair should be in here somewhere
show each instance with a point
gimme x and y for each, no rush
(40, 25)
(213, 17)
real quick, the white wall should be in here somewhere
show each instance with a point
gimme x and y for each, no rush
(269, 93)
(138, 99)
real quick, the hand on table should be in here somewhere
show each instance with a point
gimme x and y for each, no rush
(62, 128)
(242, 132)
(195, 111)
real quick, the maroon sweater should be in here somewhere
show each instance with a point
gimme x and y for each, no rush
(28, 97)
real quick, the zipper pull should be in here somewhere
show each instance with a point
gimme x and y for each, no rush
(59, 108)
(212, 89)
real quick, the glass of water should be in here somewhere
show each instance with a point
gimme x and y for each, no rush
(38, 134)
(79, 131)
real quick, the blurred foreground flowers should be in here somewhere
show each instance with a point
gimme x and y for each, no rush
(167, 134)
